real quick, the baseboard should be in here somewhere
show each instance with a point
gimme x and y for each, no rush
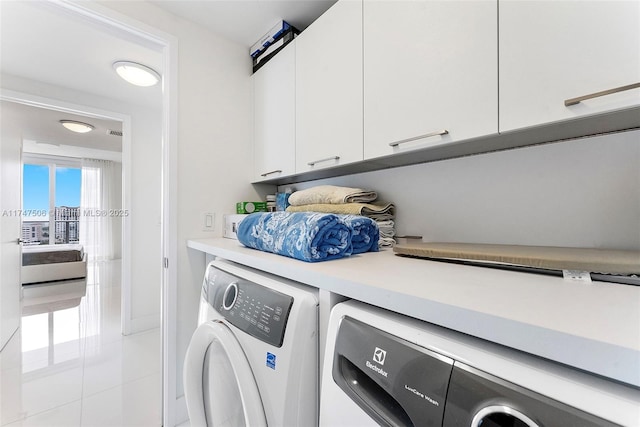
(145, 323)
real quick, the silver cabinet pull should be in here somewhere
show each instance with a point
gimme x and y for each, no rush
(324, 160)
(426, 135)
(271, 173)
(574, 101)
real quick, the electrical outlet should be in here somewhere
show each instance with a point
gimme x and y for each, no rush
(208, 221)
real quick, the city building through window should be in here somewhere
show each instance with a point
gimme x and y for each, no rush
(50, 201)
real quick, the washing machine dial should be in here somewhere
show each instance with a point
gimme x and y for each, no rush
(230, 296)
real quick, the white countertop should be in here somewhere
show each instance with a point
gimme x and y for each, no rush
(592, 326)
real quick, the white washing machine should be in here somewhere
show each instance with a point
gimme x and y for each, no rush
(381, 368)
(253, 360)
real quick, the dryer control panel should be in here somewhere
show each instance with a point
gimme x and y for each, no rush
(255, 309)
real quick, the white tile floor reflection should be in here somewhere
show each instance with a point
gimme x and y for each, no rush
(70, 366)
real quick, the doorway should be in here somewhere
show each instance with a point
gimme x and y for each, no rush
(50, 150)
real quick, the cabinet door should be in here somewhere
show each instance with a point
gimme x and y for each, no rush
(274, 116)
(329, 89)
(552, 51)
(430, 73)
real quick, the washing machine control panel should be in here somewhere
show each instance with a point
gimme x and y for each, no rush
(255, 309)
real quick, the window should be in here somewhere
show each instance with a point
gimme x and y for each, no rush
(50, 201)
(67, 204)
(35, 204)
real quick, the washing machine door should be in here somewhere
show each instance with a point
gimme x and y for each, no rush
(478, 399)
(220, 389)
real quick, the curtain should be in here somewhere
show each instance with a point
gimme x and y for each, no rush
(96, 209)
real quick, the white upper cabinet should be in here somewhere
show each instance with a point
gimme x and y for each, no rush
(274, 116)
(430, 73)
(329, 89)
(555, 51)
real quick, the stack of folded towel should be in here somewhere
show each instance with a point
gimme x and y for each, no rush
(347, 201)
(309, 236)
(331, 194)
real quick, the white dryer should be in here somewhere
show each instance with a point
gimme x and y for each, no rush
(381, 368)
(253, 360)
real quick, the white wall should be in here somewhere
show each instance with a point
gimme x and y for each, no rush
(117, 205)
(579, 193)
(145, 209)
(145, 216)
(214, 145)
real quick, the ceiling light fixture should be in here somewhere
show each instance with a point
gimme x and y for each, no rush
(136, 74)
(76, 126)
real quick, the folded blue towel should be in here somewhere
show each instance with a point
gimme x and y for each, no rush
(365, 233)
(307, 236)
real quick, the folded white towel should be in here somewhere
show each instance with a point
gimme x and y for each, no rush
(387, 232)
(331, 194)
(378, 211)
(387, 223)
(386, 242)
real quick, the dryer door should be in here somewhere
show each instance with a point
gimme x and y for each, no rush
(220, 389)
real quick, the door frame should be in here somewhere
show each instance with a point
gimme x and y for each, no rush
(168, 45)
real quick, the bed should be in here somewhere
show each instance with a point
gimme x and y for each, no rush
(53, 263)
(54, 277)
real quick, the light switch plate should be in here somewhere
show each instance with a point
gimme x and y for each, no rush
(208, 221)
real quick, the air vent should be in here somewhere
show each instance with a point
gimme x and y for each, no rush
(114, 132)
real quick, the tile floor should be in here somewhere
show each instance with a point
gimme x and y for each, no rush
(70, 366)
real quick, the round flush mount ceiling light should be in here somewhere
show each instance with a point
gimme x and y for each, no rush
(76, 126)
(136, 74)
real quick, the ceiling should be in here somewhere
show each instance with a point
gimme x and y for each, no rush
(43, 125)
(43, 42)
(245, 21)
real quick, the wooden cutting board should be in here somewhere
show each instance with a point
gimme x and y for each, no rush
(606, 261)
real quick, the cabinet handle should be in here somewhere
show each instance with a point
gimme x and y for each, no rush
(426, 135)
(324, 160)
(574, 101)
(271, 173)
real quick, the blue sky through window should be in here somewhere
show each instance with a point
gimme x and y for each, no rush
(36, 187)
(68, 186)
